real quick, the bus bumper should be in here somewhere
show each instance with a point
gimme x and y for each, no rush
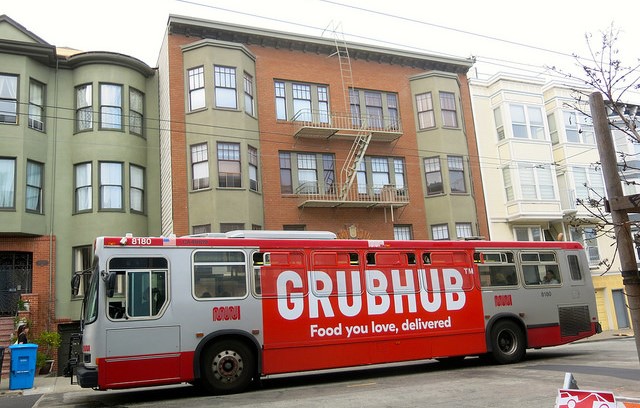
(87, 377)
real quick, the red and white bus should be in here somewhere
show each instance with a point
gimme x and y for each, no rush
(223, 310)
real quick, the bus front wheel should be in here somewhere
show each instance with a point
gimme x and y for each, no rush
(228, 367)
(507, 342)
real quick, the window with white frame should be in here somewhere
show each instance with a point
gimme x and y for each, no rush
(448, 109)
(433, 175)
(253, 168)
(536, 181)
(111, 186)
(587, 236)
(402, 232)
(456, 174)
(398, 169)
(393, 112)
(373, 105)
(136, 188)
(307, 101)
(84, 107)
(83, 197)
(323, 104)
(110, 106)
(36, 105)
(197, 98)
(225, 87)
(527, 233)
(426, 115)
(33, 199)
(378, 114)
(497, 116)
(286, 173)
(527, 122)
(301, 102)
(329, 174)
(136, 111)
(376, 172)
(8, 98)
(354, 106)
(281, 100)
(439, 231)
(248, 94)
(7, 182)
(361, 178)
(588, 183)
(380, 173)
(463, 230)
(229, 171)
(553, 128)
(579, 128)
(299, 172)
(199, 166)
(307, 173)
(508, 184)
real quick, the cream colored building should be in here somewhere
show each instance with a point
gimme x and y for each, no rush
(538, 158)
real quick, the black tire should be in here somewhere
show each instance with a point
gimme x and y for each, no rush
(228, 367)
(508, 344)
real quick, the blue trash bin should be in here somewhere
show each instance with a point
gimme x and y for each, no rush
(23, 366)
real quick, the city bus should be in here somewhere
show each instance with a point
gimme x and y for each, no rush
(224, 310)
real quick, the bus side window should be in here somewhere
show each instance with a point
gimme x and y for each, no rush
(219, 273)
(574, 268)
(498, 275)
(371, 258)
(258, 263)
(426, 258)
(117, 302)
(531, 274)
(411, 258)
(551, 275)
(145, 280)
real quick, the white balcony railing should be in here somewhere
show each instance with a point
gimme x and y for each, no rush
(321, 124)
(313, 195)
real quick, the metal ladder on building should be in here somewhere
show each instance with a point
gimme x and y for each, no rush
(349, 171)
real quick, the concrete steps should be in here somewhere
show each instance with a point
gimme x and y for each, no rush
(7, 328)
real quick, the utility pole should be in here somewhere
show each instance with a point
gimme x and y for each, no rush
(620, 218)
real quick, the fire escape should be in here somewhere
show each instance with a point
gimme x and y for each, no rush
(351, 126)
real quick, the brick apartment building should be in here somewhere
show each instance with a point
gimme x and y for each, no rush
(272, 130)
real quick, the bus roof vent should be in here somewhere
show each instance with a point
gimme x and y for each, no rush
(262, 234)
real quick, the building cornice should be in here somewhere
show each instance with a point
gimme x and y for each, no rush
(204, 29)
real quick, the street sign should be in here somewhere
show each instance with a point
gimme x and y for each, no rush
(585, 399)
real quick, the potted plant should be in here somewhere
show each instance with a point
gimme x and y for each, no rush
(48, 343)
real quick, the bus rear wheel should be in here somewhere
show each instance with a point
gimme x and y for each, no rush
(228, 367)
(507, 342)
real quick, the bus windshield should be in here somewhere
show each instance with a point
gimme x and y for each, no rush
(91, 297)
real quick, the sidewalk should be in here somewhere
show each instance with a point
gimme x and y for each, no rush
(44, 384)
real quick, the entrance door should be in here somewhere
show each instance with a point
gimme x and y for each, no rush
(622, 315)
(15, 279)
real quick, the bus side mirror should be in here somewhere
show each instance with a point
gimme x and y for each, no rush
(111, 284)
(75, 284)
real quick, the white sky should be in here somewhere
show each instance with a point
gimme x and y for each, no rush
(461, 28)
